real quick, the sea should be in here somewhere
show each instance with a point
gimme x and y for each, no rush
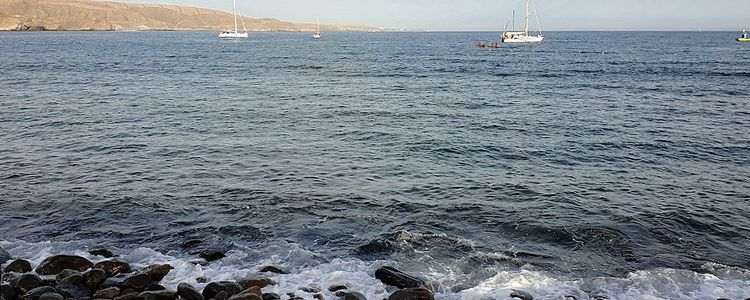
(609, 164)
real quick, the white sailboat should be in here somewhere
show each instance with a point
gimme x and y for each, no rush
(235, 33)
(514, 36)
(316, 34)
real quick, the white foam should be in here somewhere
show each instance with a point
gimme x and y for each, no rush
(308, 269)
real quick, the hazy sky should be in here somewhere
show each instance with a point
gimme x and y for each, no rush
(493, 14)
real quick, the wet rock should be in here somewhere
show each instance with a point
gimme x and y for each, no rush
(74, 287)
(412, 294)
(7, 292)
(339, 287)
(202, 279)
(130, 296)
(191, 243)
(34, 294)
(138, 282)
(102, 252)
(9, 277)
(157, 272)
(112, 282)
(65, 274)
(113, 267)
(221, 295)
(271, 296)
(349, 295)
(253, 293)
(272, 269)
(318, 296)
(108, 293)
(310, 289)
(569, 297)
(27, 282)
(18, 266)
(213, 289)
(393, 277)
(49, 282)
(521, 295)
(51, 296)
(94, 278)
(159, 295)
(212, 255)
(261, 283)
(154, 287)
(56, 264)
(4, 256)
(188, 292)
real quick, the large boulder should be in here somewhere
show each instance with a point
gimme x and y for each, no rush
(108, 293)
(113, 267)
(51, 296)
(212, 254)
(94, 278)
(188, 292)
(261, 283)
(412, 294)
(8, 292)
(349, 295)
(401, 280)
(138, 282)
(231, 288)
(157, 272)
(159, 295)
(26, 282)
(56, 264)
(102, 252)
(252, 293)
(74, 287)
(521, 295)
(18, 266)
(37, 292)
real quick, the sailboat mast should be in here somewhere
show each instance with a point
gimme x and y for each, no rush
(234, 2)
(514, 20)
(317, 18)
(526, 19)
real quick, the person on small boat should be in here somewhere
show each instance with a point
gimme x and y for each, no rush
(744, 34)
(481, 45)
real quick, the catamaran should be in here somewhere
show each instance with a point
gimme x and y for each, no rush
(316, 34)
(514, 36)
(235, 34)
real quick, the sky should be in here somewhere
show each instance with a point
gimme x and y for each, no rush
(492, 15)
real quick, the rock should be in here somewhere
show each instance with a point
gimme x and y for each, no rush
(212, 255)
(56, 264)
(159, 295)
(271, 296)
(9, 277)
(130, 296)
(213, 289)
(272, 269)
(261, 283)
(221, 295)
(339, 287)
(113, 267)
(112, 282)
(74, 287)
(349, 295)
(4, 256)
(34, 294)
(570, 297)
(138, 282)
(188, 292)
(310, 289)
(318, 296)
(102, 252)
(249, 294)
(157, 272)
(401, 280)
(154, 287)
(412, 294)
(94, 278)
(49, 282)
(27, 282)
(108, 293)
(521, 295)
(191, 243)
(65, 274)
(201, 279)
(18, 266)
(7, 292)
(51, 296)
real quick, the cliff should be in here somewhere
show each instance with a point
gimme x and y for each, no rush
(99, 15)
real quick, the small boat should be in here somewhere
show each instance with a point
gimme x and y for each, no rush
(743, 38)
(234, 33)
(514, 36)
(316, 34)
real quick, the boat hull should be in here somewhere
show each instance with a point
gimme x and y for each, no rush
(743, 40)
(233, 35)
(523, 39)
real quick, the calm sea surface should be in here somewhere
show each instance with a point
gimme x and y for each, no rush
(586, 162)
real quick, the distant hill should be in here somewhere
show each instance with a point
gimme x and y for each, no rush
(99, 15)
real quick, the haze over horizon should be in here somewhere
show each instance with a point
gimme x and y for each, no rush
(492, 15)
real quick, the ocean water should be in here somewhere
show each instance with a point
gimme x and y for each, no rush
(596, 163)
